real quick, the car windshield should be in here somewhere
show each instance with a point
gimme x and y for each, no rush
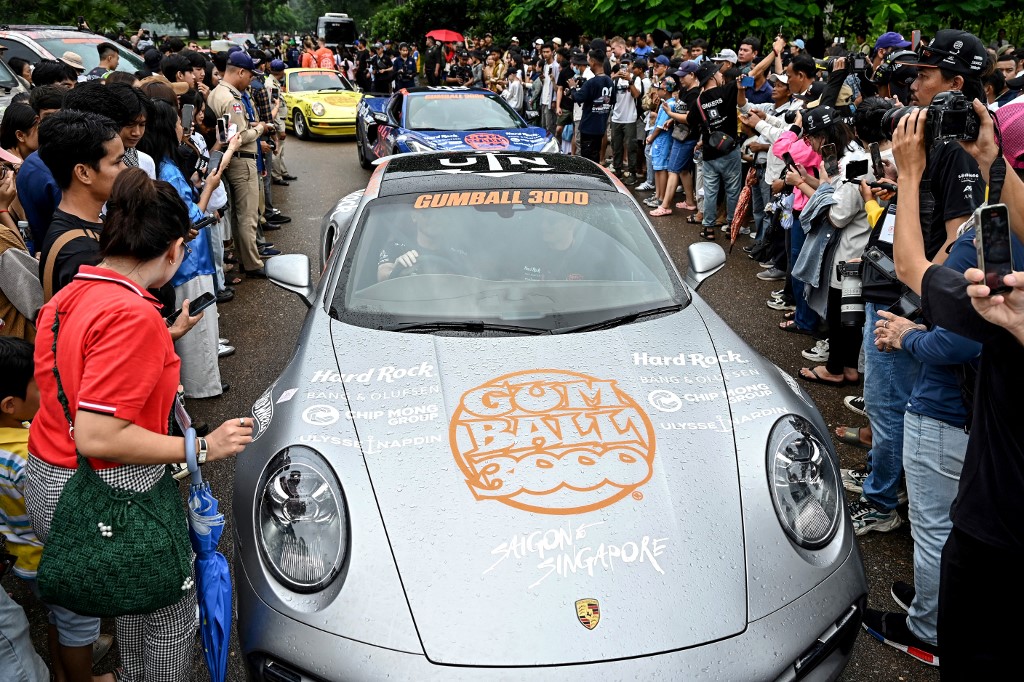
(527, 260)
(460, 111)
(306, 81)
(85, 47)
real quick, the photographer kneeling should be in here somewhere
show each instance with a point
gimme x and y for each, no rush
(980, 570)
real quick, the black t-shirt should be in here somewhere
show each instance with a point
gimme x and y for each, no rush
(956, 188)
(989, 505)
(596, 97)
(76, 253)
(688, 102)
(454, 256)
(719, 105)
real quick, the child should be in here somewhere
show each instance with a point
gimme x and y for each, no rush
(19, 402)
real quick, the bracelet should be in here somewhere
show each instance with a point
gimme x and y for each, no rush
(899, 339)
(201, 456)
(4, 210)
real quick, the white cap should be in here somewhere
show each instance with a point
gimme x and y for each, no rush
(726, 55)
(538, 41)
(557, 41)
(514, 39)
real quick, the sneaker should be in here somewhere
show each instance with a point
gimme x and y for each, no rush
(853, 479)
(223, 341)
(780, 304)
(891, 628)
(817, 354)
(744, 230)
(903, 594)
(726, 227)
(855, 404)
(224, 350)
(778, 293)
(644, 187)
(750, 247)
(772, 274)
(867, 517)
(653, 202)
(765, 264)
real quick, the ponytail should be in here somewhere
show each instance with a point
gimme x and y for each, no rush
(144, 217)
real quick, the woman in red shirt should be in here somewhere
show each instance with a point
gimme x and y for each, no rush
(120, 374)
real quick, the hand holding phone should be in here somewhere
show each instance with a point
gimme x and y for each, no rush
(222, 131)
(992, 240)
(187, 112)
(195, 307)
(747, 82)
(877, 167)
(215, 160)
(829, 160)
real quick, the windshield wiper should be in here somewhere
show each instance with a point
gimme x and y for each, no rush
(621, 319)
(465, 325)
(333, 87)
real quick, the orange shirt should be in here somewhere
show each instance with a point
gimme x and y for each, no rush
(324, 58)
(308, 60)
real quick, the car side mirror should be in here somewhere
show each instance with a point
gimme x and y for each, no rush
(380, 117)
(291, 272)
(705, 260)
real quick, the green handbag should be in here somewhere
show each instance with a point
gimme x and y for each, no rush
(113, 552)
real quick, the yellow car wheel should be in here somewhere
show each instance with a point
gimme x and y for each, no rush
(300, 125)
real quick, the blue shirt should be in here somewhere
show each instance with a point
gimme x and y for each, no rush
(936, 393)
(643, 51)
(39, 194)
(200, 260)
(596, 97)
(762, 95)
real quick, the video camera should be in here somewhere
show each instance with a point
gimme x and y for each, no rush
(950, 117)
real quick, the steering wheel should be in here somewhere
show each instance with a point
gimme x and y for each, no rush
(429, 264)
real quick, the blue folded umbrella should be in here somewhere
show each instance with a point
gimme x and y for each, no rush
(213, 579)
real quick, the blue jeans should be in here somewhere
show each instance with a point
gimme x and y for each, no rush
(933, 456)
(648, 150)
(805, 318)
(727, 170)
(888, 379)
(760, 195)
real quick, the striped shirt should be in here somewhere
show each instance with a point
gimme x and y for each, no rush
(15, 524)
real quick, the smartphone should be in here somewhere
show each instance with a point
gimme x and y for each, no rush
(992, 239)
(855, 170)
(915, 39)
(877, 167)
(830, 160)
(747, 82)
(187, 112)
(195, 307)
(881, 262)
(909, 306)
(222, 130)
(788, 158)
(205, 222)
(887, 186)
(215, 159)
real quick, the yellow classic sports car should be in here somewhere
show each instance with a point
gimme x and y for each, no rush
(319, 102)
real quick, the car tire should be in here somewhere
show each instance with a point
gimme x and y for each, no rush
(300, 125)
(361, 150)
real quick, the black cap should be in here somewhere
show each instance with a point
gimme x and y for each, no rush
(707, 71)
(818, 119)
(956, 51)
(578, 58)
(813, 92)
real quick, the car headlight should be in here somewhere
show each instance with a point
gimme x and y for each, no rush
(318, 109)
(302, 527)
(416, 146)
(804, 482)
(551, 146)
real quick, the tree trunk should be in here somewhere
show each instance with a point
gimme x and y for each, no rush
(247, 13)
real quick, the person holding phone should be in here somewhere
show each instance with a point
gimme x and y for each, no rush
(200, 372)
(119, 409)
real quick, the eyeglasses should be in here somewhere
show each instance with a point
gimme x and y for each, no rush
(187, 249)
(6, 168)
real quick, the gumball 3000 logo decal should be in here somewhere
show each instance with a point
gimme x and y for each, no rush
(487, 141)
(552, 442)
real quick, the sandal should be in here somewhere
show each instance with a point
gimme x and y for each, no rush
(233, 281)
(815, 378)
(685, 206)
(660, 211)
(789, 315)
(790, 326)
(851, 436)
(708, 233)
(692, 219)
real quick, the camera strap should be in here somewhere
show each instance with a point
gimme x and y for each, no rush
(996, 177)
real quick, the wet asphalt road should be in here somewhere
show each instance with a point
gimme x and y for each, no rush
(263, 322)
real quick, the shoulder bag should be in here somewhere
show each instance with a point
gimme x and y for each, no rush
(717, 140)
(113, 552)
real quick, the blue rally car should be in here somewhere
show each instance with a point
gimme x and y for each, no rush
(443, 119)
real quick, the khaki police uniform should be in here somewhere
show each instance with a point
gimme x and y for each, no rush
(279, 168)
(241, 174)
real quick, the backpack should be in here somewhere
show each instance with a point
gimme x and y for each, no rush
(639, 102)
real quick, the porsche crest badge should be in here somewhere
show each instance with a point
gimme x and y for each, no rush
(589, 613)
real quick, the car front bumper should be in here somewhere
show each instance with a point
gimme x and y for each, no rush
(326, 127)
(280, 649)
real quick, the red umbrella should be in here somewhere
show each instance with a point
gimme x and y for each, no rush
(443, 35)
(742, 206)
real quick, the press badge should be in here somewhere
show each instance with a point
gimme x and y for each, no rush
(888, 225)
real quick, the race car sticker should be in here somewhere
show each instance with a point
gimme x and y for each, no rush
(552, 441)
(262, 413)
(454, 95)
(504, 197)
(487, 141)
(321, 415)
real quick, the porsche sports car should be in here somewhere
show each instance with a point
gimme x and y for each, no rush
(319, 102)
(446, 118)
(513, 443)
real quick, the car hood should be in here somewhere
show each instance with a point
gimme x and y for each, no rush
(514, 139)
(546, 500)
(340, 98)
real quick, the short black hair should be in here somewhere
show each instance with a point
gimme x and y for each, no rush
(152, 59)
(69, 138)
(175, 44)
(16, 367)
(50, 71)
(173, 64)
(804, 64)
(17, 64)
(105, 49)
(18, 118)
(754, 43)
(47, 97)
(197, 60)
(699, 42)
(108, 100)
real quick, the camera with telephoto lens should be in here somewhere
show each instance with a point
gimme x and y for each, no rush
(851, 305)
(855, 62)
(950, 117)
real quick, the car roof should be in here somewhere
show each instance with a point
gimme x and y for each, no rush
(427, 90)
(440, 171)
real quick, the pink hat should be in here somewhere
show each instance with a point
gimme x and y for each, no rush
(9, 157)
(1011, 124)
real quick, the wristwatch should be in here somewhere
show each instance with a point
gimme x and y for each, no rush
(201, 455)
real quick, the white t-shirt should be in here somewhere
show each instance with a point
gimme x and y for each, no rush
(549, 83)
(624, 110)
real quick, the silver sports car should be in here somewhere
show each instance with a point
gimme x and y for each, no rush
(513, 443)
